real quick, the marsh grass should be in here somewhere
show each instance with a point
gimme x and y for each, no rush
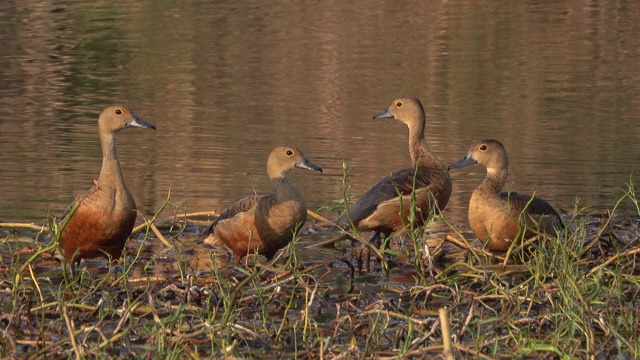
(574, 295)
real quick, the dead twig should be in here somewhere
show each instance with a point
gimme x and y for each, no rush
(31, 226)
(331, 241)
(447, 350)
(612, 259)
(459, 243)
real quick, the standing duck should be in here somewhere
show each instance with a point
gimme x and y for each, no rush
(497, 217)
(263, 224)
(105, 214)
(386, 207)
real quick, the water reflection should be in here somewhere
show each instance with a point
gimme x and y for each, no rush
(226, 82)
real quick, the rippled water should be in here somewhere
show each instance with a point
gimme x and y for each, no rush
(224, 82)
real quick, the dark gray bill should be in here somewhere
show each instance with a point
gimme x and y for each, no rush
(306, 164)
(465, 161)
(384, 114)
(137, 122)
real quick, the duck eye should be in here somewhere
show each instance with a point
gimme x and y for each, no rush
(399, 104)
(289, 153)
(118, 112)
(483, 147)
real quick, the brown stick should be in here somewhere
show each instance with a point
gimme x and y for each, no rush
(200, 213)
(317, 216)
(329, 241)
(461, 244)
(25, 226)
(161, 237)
(446, 333)
(612, 259)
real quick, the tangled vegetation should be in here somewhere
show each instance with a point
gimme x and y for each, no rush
(427, 295)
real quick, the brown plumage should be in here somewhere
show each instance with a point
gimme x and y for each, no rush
(264, 224)
(105, 215)
(379, 209)
(496, 217)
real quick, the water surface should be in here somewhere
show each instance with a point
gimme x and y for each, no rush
(224, 82)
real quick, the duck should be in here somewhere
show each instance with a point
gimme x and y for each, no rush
(104, 216)
(386, 207)
(264, 223)
(500, 218)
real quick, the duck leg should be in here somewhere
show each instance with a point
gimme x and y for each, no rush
(363, 252)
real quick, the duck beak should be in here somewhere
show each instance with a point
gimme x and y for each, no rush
(465, 161)
(137, 122)
(306, 164)
(385, 114)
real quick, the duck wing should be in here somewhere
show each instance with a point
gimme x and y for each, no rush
(240, 206)
(400, 183)
(536, 206)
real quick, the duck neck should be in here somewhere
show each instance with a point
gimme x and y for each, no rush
(110, 172)
(418, 147)
(494, 181)
(284, 189)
